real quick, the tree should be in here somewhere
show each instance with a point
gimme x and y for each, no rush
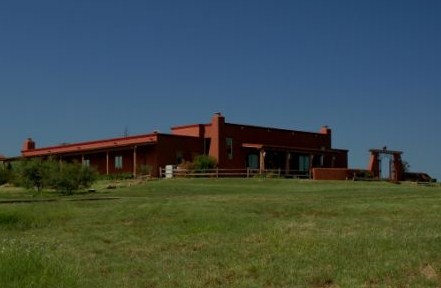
(4, 176)
(406, 166)
(65, 178)
(35, 173)
(72, 177)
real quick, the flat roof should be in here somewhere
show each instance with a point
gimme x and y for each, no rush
(93, 145)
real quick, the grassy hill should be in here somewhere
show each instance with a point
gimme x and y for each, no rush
(224, 233)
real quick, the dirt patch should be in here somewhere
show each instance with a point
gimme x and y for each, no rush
(429, 272)
(327, 283)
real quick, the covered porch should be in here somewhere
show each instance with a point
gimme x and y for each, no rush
(288, 161)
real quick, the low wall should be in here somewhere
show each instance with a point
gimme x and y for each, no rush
(340, 174)
(331, 173)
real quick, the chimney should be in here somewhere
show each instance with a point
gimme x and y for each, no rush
(28, 144)
(325, 130)
(217, 146)
(218, 119)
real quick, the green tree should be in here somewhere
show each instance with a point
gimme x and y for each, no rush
(4, 176)
(406, 166)
(35, 173)
(65, 178)
(72, 177)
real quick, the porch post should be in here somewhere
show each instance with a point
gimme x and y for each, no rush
(262, 161)
(287, 167)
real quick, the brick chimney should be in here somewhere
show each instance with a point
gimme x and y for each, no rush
(325, 130)
(28, 144)
(217, 146)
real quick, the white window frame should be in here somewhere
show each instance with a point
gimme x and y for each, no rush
(118, 162)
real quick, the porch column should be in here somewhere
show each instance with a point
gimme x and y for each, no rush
(134, 162)
(262, 161)
(287, 167)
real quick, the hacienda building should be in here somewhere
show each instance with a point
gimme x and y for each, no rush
(234, 146)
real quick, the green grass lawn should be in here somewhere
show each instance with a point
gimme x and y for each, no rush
(225, 233)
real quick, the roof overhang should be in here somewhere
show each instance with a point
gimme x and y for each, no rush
(85, 147)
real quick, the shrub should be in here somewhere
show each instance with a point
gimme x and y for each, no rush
(72, 177)
(203, 162)
(145, 170)
(35, 173)
(4, 176)
(66, 178)
(118, 176)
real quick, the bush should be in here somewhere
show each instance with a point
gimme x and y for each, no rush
(66, 178)
(72, 177)
(5, 176)
(203, 162)
(145, 170)
(35, 173)
(118, 177)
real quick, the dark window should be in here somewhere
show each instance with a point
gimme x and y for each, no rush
(229, 142)
(253, 161)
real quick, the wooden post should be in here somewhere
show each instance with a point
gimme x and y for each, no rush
(262, 161)
(288, 158)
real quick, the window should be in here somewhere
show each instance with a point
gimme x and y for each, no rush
(118, 162)
(253, 161)
(304, 163)
(229, 142)
(207, 144)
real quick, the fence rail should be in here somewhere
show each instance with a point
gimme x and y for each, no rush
(217, 173)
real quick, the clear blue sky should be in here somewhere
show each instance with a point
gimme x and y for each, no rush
(87, 69)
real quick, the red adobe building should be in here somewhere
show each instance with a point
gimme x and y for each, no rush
(234, 146)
